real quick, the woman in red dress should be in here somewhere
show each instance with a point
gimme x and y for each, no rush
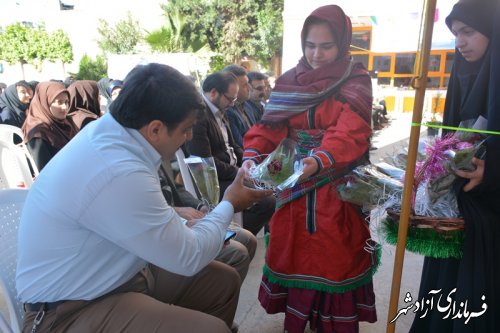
(319, 262)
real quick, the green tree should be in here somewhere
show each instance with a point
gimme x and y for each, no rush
(90, 69)
(234, 28)
(173, 37)
(20, 43)
(60, 47)
(14, 44)
(122, 38)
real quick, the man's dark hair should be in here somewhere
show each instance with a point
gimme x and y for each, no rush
(256, 76)
(237, 70)
(220, 81)
(155, 92)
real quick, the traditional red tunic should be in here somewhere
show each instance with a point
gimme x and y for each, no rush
(334, 259)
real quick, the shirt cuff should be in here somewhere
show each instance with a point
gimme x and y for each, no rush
(225, 210)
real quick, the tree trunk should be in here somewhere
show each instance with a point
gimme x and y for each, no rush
(276, 65)
(22, 70)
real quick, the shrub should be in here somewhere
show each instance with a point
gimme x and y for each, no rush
(90, 69)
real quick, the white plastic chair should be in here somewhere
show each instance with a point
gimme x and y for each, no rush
(14, 168)
(15, 161)
(190, 186)
(186, 175)
(9, 132)
(11, 204)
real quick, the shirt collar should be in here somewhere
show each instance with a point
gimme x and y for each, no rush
(152, 156)
(215, 110)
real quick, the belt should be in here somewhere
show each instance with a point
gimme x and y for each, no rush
(47, 306)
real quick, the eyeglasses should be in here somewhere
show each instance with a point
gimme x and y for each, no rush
(230, 99)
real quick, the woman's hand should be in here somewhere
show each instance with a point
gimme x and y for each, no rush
(475, 177)
(311, 166)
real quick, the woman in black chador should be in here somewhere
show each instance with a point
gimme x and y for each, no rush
(473, 92)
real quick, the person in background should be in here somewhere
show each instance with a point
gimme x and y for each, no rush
(68, 81)
(84, 102)
(257, 83)
(48, 128)
(99, 248)
(268, 90)
(104, 96)
(14, 102)
(320, 258)
(212, 137)
(473, 279)
(240, 114)
(114, 88)
(3, 86)
(33, 84)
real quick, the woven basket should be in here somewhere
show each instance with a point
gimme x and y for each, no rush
(429, 236)
(439, 224)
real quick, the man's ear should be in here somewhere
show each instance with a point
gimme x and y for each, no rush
(152, 131)
(213, 93)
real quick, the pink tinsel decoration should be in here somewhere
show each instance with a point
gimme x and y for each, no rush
(433, 168)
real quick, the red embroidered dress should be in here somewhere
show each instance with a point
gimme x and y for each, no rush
(319, 265)
(332, 259)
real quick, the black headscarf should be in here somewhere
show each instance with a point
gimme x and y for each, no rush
(103, 84)
(13, 111)
(473, 90)
(467, 95)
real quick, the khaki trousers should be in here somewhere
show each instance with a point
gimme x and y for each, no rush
(153, 301)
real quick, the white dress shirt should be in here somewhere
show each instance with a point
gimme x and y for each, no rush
(96, 216)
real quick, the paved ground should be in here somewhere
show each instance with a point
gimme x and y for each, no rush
(252, 318)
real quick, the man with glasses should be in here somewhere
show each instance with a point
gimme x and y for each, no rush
(212, 136)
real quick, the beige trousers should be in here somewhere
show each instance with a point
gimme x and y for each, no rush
(153, 301)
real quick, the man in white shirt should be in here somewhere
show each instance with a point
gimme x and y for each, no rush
(97, 241)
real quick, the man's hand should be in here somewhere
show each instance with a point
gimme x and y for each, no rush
(241, 196)
(189, 213)
(475, 177)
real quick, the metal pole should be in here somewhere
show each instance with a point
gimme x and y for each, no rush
(420, 84)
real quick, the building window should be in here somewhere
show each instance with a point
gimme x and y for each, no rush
(405, 63)
(65, 5)
(402, 82)
(362, 58)
(382, 63)
(384, 81)
(449, 62)
(434, 62)
(361, 40)
(433, 82)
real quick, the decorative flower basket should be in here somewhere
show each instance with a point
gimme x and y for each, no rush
(429, 236)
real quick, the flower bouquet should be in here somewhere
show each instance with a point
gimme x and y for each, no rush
(205, 177)
(281, 169)
(436, 228)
